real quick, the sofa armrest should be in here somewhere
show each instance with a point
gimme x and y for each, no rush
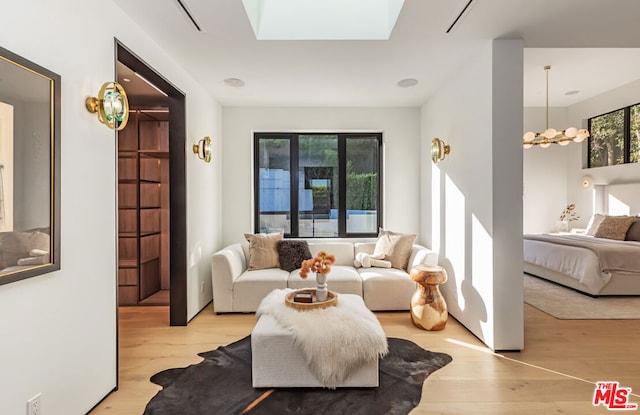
(226, 266)
(422, 256)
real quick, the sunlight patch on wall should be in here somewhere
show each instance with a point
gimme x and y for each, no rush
(454, 232)
(483, 278)
(482, 261)
(435, 208)
(617, 206)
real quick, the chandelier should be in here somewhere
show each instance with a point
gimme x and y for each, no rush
(550, 135)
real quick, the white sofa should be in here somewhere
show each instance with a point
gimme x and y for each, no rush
(236, 289)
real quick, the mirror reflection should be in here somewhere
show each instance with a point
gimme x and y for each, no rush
(29, 118)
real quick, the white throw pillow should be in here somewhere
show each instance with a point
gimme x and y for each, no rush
(396, 247)
(594, 222)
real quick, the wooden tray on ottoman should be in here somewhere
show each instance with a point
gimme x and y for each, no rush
(332, 300)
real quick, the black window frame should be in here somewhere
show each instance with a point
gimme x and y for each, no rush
(342, 179)
(627, 136)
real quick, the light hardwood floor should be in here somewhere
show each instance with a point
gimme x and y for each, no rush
(554, 374)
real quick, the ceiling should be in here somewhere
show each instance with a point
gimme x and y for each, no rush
(590, 44)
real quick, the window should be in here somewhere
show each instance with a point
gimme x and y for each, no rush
(634, 123)
(337, 180)
(615, 137)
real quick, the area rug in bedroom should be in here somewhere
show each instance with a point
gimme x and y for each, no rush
(221, 384)
(567, 304)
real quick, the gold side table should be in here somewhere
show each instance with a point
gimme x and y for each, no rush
(428, 308)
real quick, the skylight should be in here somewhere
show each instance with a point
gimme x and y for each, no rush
(323, 19)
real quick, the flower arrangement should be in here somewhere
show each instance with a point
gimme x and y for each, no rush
(320, 263)
(569, 214)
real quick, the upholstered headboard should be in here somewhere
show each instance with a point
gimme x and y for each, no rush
(618, 199)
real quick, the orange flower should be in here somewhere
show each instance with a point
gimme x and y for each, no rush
(320, 263)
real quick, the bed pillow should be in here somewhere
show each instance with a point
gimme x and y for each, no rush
(396, 247)
(594, 222)
(633, 234)
(614, 227)
(263, 252)
(291, 253)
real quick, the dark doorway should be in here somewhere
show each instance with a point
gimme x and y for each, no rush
(170, 109)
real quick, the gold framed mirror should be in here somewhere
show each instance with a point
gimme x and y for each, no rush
(29, 169)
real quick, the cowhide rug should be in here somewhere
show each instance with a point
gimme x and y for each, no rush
(221, 384)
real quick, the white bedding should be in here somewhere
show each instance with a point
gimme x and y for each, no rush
(559, 260)
(578, 263)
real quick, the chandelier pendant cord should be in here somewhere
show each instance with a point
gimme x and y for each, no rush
(550, 135)
(546, 69)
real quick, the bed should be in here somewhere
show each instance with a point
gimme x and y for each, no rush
(605, 260)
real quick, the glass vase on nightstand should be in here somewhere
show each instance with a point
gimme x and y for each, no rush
(562, 226)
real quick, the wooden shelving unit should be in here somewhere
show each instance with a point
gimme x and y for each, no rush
(143, 196)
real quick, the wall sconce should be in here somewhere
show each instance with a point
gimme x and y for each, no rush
(438, 150)
(203, 149)
(587, 182)
(111, 105)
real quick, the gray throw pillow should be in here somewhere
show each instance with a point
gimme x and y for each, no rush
(633, 234)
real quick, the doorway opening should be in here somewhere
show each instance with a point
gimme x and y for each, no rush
(152, 264)
(143, 201)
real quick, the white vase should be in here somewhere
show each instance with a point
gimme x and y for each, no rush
(321, 290)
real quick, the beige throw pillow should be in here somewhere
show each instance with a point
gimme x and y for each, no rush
(614, 227)
(263, 250)
(396, 247)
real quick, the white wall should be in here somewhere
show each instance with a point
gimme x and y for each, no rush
(401, 133)
(471, 203)
(545, 172)
(553, 176)
(204, 195)
(58, 331)
(615, 99)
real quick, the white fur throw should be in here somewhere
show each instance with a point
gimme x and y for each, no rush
(333, 340)
(365, 260)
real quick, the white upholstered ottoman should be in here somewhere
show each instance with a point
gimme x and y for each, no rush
(278, 362)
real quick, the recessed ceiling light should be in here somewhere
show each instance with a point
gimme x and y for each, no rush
(575, 91)
(408, 82)
(234, 82)
(126, 79)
